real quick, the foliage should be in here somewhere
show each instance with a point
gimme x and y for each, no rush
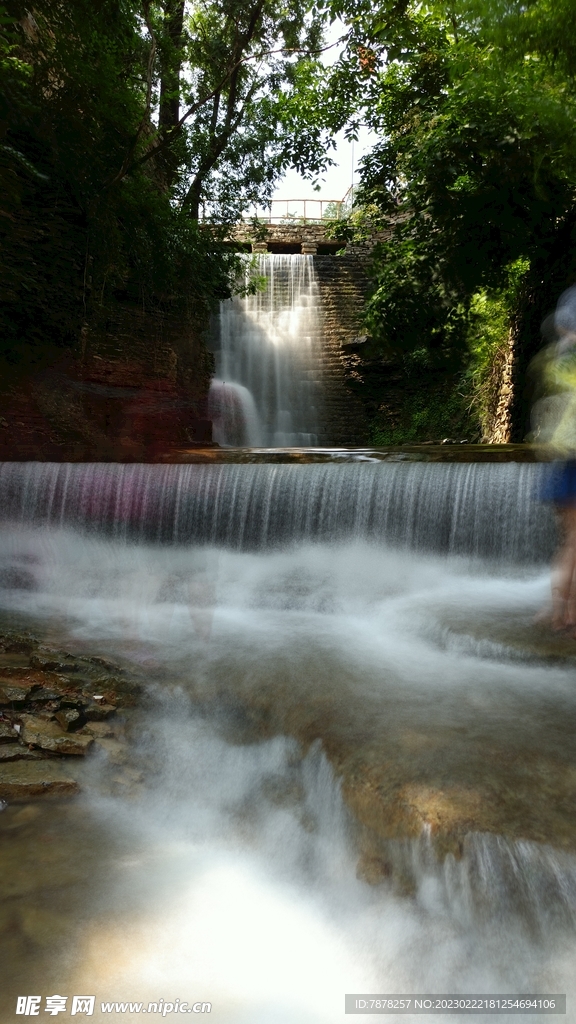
(475, 107)
(268, 106)
(434, 406)
(118, 120)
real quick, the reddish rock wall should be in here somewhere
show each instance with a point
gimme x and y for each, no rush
(136, 389)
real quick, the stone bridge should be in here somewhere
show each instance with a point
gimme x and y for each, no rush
(308, 238)
(304, 226)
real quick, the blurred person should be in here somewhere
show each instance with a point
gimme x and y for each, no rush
(554, 432)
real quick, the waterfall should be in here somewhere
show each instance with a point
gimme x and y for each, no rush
(352, 766)
(269, 354)
(486, 510)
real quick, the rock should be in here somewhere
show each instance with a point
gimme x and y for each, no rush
(21, 675)
(68, 719)
(373, 869)
(44, 856)
(115, 751)
(126, 781)
(25, 815)
(14, 752)
(24, 779)
(43, 695)
(100, 730)
(19, 684)
(72, 701)
(7, 733)
(50, 736)
(16, 646)
(47, 665)
(98, 712)
(10, 694)
(46, 714)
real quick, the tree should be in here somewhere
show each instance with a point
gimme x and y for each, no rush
(253, 100)
(475, 105)
(118, 119)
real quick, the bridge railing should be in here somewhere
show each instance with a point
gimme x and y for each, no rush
(302, 211)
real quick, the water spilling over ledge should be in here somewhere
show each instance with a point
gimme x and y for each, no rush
(476, 509)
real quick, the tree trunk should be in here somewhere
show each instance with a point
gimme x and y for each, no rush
(169, 113)
(192, 202)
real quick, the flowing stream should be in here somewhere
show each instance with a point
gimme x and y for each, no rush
(301, 630)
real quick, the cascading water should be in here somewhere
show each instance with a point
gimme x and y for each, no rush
(268, 361)
(479, 509)
(312, 637)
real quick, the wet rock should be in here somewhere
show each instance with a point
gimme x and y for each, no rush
(19, 684)
(281, 791)
(50, 736)
(413, 762)
(396, 810)
(14, 694)
(50, 665)
(126, 782)
(116, 752)
(99, 730)
(99, 712)
(103, 663)
(68, 719)
(44, 712)
(22, 675)
(25, 779)
(16, 645)
(43, 696)
(24, 815)
(373, 869)
(45, 855)
(15, 752)
(7, 733)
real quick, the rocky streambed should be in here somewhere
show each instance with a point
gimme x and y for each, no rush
(87, 741)
(414, 760)
(406, 760)
(55, 709)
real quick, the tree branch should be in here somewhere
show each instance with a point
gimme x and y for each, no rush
(217, 146)
(168, 137)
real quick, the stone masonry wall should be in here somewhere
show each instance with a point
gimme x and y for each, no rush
(342, 282)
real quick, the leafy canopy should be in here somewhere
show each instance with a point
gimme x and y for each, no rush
(119, 121)
(475, 106)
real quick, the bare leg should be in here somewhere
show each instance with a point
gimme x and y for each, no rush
(564, 574)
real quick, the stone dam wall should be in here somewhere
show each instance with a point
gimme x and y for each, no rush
(342, 282)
